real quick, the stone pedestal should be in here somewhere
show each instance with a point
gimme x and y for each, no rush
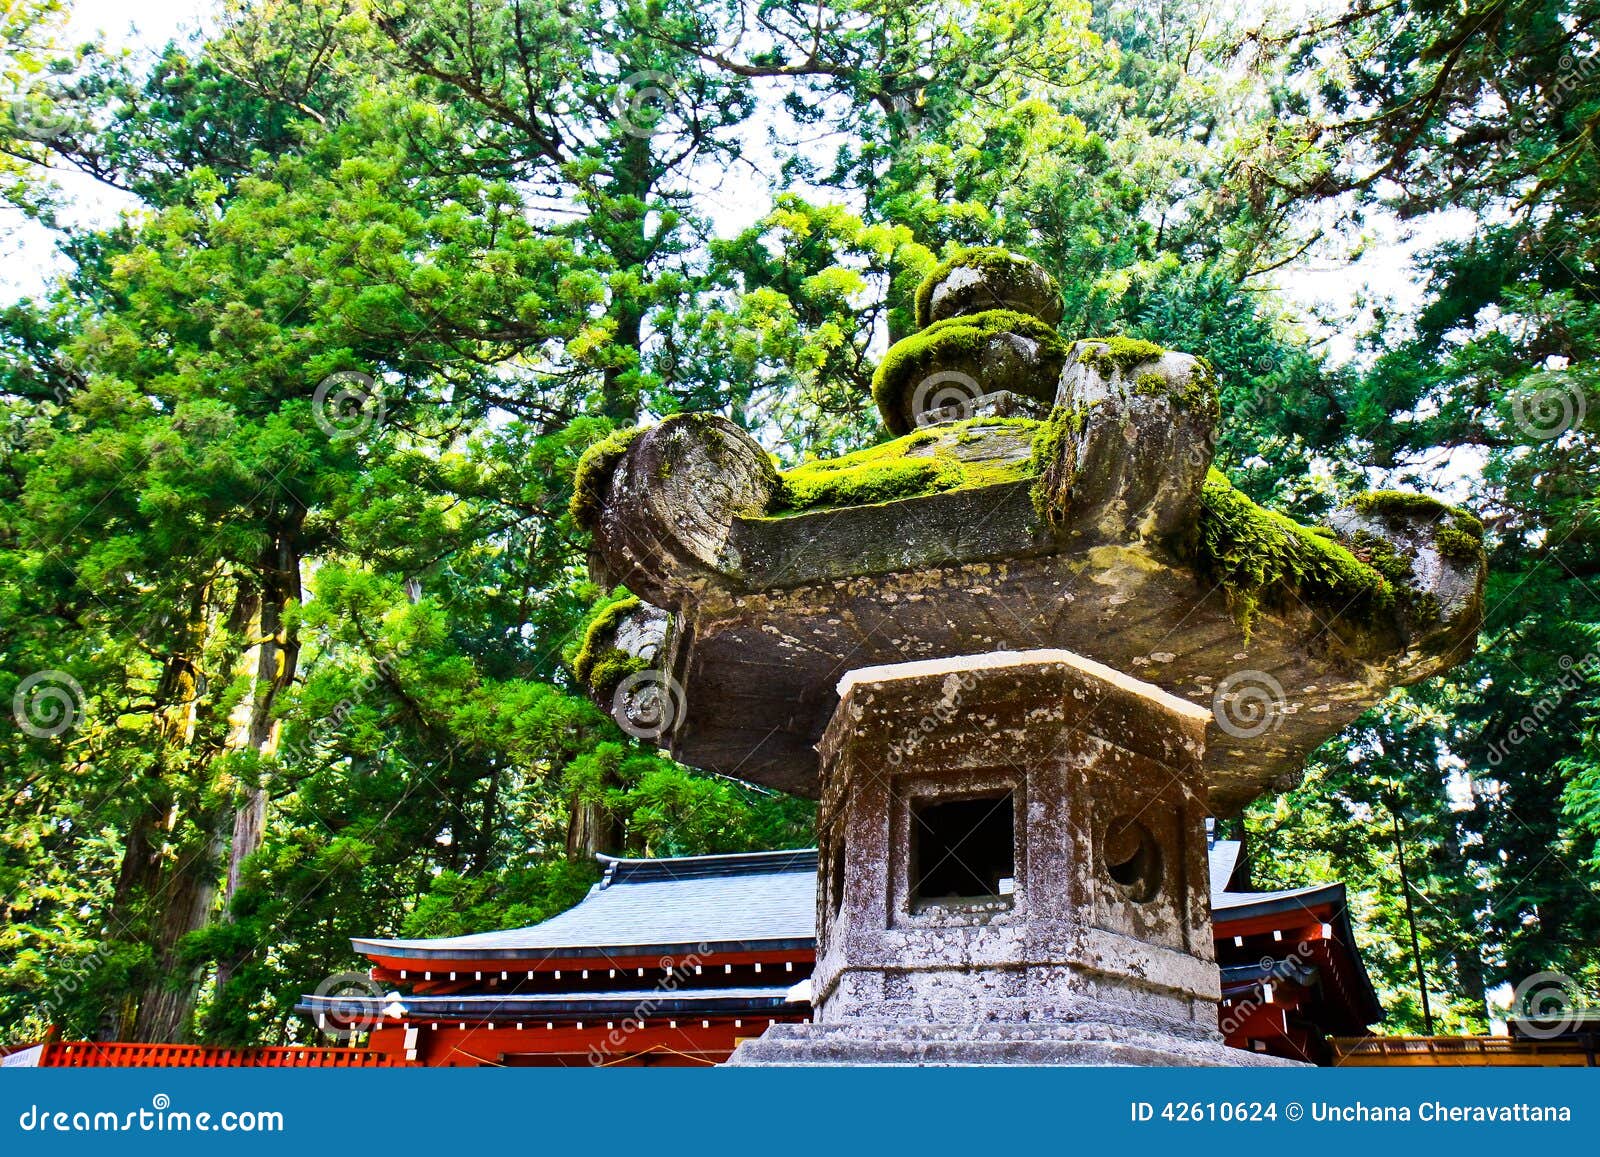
(1012, 870)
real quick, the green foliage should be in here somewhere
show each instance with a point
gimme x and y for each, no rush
(457, 905)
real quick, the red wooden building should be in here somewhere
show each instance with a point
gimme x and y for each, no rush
(674, 961)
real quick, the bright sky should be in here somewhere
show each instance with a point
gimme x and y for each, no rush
(27, 259)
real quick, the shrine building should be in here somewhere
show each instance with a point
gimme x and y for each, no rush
(675, 961)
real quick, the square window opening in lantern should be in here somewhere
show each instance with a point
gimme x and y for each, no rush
(963, 851)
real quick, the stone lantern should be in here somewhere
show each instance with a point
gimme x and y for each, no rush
(1020, 654)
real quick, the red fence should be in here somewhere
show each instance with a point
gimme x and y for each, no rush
(118, 1055)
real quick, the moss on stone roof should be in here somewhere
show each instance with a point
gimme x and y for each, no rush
(993, 259)
(891, 471)
(599, 665)
(1107, 354)
(1262, 557)
(1051, 463)
(594, 471)
(1457, 534)
(940, 344)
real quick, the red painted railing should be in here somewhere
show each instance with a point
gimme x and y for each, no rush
(79, 1054)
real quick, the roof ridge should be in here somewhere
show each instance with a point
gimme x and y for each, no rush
(620, 870)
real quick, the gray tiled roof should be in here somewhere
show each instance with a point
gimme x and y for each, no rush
(764, 898)
(1224, 857)
(690, 903)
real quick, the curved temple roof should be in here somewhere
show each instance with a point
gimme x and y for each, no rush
(687, 904)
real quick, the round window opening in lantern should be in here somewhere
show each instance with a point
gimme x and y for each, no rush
(1133, 859)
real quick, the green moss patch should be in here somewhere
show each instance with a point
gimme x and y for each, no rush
(892, 471)
(599, 665)
(949, 342)
(593, 474)
(1398, 566)
(1261, 558)
(1053, 464)
(1108, 354)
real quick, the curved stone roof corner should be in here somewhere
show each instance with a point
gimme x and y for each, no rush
(1043, 495)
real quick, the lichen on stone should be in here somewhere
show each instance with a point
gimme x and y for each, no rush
(599, 665)
(947, 342)
(1396, 564)
(992, 259)
(1457, 534)
(891, 471)
(1261, 557)
(593, 474)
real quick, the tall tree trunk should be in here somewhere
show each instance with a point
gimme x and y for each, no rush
(590, 829)
(1461, 900)
(166, 884)
(277, 656)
